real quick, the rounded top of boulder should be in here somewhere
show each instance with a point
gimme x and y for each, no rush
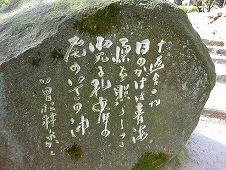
(42, 19)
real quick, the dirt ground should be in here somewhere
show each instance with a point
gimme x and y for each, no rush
(210, 26)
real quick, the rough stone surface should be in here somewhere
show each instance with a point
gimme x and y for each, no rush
(120, 80)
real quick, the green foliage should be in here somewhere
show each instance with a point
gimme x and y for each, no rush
(151, 161)
(4, 3)
(183, 8)
(102, 21)
(189, 9)
(74, 152)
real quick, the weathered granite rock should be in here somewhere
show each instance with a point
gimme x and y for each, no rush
(98, 84)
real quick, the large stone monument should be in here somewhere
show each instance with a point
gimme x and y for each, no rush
(104, 84)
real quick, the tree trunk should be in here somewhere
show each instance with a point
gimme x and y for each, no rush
(178, 2)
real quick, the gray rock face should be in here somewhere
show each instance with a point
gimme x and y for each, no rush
(98, 84)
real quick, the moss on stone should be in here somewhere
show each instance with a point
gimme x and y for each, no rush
(35, 62)
(74, 152)
(57, 55)
(151, 161)
(101, 21)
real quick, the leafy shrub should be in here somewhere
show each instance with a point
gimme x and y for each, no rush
(183, 8)
(189, 9)
(4, 3)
